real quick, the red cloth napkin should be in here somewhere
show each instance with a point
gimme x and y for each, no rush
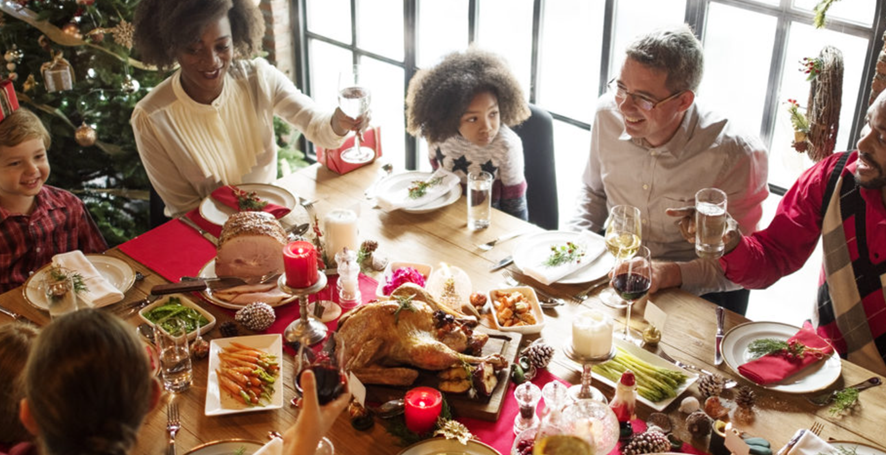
(776, 367)
(500, 434)
(227, 195)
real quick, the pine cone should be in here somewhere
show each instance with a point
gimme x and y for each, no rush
(256, 316)
(369, 246)
(539, 354)
(711, 385)
(652, 441)
(746, 397)
(699, 424)
(228, 329)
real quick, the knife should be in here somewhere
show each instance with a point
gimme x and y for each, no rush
(197, 284)
(206, 235)
(15, 316)
(501, 263)
(718, 339)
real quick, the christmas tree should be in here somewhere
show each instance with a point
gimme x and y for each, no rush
(73, 65)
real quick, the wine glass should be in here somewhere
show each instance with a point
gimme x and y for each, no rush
(329, 379)
(622, 240)
(631, 279)
(353, 99)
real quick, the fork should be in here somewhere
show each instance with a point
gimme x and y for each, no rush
(173, 424)
(816, 428)
(730, 383)
(491, 244)
(596, 284)
(513, 281)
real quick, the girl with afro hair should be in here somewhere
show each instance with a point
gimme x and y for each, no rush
(211, 123)
(464, 107)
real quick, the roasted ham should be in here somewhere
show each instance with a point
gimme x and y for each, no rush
(251, 245)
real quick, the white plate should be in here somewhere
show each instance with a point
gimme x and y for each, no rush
(226, 447)
(539, 245)
(217, 213)
(424, 269)
(654, 360)
(860, 448)
(441, 446)
(208, 270)
(186, 302)
(529, 295)
(118, 273)
(219, 402)
(816, 377)
(397, 182)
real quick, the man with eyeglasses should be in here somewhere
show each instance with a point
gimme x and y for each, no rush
(654, 147)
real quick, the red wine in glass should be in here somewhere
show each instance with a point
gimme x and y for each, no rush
(329, 379)
(631, 286)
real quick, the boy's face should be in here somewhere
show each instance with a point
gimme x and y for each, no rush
(480, 122)
(23, 169)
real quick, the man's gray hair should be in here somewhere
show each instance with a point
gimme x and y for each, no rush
(674, 50)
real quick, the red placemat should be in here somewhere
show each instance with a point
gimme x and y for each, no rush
(172, 249)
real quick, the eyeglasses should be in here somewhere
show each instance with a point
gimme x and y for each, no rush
(641, 101)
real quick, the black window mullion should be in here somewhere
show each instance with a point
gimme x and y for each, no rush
(874, 46)
(537, 24)
(355, 58)
(776, 71)
(473, 22)
(606, 51)
(410, 43)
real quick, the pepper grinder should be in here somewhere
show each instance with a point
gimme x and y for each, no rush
(348, 277)
(527, 395)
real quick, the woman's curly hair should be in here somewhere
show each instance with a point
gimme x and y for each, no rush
(163, 27)
(437, 97)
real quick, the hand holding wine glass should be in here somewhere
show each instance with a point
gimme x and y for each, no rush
(353, 101)
(314, 421)
(631, 279)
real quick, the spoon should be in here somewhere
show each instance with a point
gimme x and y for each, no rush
(388, 168)
(146, 331)
(390, 409)
(297, 231)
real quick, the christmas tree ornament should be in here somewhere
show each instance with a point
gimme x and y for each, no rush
(13, 76)
(452, 429)
(689, 405)
(711, 385)
(85, 135)
(624, 403)
(58, 74)
(228, 329)
(73, 30)
(538, 354)
(256, 316)
(85, 2)
(10, 66)
(29, 84)
(129, 85)
(123, 34)
(650, 441)
(699, 424)
(14, 55)
(651, 335)
(714, 407)
(661, 421)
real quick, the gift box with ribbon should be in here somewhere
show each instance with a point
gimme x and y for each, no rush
(8, 100)
(332, 160)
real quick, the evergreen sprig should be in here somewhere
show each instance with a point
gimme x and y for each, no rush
(397, 426)
(249, 201)
(405, 303)
(76, 278)
(844, 400)
(570, 252)
(420, 187)
(793, 349)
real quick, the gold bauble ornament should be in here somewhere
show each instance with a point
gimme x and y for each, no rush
(85, 135)
(73, 30)
(30, 83)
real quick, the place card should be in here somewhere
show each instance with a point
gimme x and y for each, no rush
(655, 315)
(358, 390)
(735, 443)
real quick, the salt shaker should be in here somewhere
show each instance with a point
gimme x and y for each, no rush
(348, 271)
(527, 395)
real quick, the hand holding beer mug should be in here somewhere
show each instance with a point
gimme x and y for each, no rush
(708, 224)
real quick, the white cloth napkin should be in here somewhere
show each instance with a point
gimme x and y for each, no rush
(274, 447)
(399, 199)
(810, 444)
(99, 291)
(547, 275)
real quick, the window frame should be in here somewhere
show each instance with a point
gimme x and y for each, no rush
(695, 14)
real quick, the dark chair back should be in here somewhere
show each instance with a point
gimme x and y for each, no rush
(537, 134)
(156, 209)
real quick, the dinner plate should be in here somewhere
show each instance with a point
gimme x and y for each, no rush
(118, 273)
(398, 182)
(442, 446)
(653, 360)
(217, 213)
(537, 246)
(814, 378)
(208, 270)
(227, 447)
(219, 402)
(858, 447)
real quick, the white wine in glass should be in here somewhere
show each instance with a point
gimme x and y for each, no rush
(354, 99)
(623, 229)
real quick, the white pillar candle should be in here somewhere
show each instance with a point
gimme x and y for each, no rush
(592, 334)
(341, 232)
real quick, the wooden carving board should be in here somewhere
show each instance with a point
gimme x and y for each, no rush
(482, 407)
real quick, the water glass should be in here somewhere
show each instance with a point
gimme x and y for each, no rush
(58, 286)
(710, 222)
(171, 336)
(479, 200)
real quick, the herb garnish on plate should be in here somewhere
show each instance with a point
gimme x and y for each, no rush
(562, 254)
(420, 187)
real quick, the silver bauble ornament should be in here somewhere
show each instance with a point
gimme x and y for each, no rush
(130, 85)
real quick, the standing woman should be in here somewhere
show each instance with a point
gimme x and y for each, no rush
(212, 122)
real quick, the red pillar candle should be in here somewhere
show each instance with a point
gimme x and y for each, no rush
(423, 406)
(300, 263)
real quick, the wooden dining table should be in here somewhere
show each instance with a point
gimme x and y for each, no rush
(442, 236)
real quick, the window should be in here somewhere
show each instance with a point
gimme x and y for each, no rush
(564, 51)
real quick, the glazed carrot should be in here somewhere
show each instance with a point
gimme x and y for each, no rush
(233, 389)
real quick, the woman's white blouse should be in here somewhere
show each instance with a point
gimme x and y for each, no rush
(189, 149)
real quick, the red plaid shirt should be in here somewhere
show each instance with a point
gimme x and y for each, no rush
(58, 224)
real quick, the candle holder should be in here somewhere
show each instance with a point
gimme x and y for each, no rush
(304, 329)
(585, 391)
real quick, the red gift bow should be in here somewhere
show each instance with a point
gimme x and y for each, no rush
(778, 366)
(227, 195)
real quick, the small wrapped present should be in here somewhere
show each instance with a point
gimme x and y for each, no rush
(8, 100)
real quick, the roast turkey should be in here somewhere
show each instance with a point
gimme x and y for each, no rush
(380, 344)
(251, 245)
